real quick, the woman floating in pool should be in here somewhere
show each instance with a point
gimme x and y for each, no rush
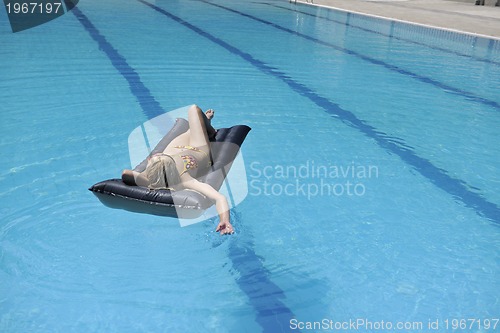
(187, 156)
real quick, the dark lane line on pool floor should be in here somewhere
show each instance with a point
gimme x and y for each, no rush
(433, 47)
(149, 105)
(446, 88)
(457, 188)
(265, 296)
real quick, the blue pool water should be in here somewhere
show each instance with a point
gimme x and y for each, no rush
(373, 169)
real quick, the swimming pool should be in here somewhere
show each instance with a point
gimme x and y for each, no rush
(372, 170)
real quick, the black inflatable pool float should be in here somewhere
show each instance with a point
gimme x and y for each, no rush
(115, 193)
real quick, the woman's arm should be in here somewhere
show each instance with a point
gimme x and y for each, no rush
(221, 204)
(131, 177)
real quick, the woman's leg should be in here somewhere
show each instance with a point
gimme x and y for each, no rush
(198, 132)
(181, 140)
(187, 138)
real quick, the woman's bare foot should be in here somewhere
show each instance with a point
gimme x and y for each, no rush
(210, 113)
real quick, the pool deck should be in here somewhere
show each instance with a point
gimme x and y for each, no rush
(463, 16)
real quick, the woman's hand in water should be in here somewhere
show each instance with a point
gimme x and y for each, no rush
(221, 205)
(225, 228)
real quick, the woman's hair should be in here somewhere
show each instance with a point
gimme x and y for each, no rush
(162, 173)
